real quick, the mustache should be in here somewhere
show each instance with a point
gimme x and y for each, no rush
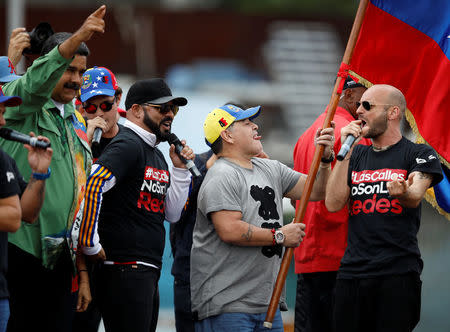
(73, 86)
(167, 118)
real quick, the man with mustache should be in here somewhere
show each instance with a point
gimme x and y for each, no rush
(131, 182)
(43, 253)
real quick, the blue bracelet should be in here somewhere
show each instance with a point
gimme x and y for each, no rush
(42, 176)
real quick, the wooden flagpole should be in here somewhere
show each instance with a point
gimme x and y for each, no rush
(300, 213)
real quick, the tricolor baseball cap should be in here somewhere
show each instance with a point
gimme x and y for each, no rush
(7, 71)
(9, 101)
(222, 117)
(97, 81)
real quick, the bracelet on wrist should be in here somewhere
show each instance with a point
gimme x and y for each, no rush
(274, 242)
(329, 159)
(82, 270)
(42, 176)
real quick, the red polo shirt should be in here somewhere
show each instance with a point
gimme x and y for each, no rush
(326, 232)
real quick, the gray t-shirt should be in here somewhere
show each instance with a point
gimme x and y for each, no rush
(230, 278)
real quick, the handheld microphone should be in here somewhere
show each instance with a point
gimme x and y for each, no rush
(346, 147)
(173, 139)
(16, 136)
(97, 136)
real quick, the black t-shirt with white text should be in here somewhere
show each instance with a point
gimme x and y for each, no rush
(131, 221)
(11, 184)
(382, 234)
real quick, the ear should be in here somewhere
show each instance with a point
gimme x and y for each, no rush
(394, 113)
(348, 93)
(136, 110)
(227, 136)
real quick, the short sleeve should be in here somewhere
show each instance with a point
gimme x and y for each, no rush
(425, 160)
(288, 176)
(219, 191)
(9, 184)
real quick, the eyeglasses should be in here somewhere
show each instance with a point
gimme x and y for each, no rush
(106, 106)
(367, 106)
(164, 108)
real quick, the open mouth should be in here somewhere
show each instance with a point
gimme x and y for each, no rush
(166, 125)
(257, 137)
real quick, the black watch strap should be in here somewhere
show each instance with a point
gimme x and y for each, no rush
(328, 160)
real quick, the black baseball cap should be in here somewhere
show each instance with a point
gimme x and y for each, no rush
(153, 91)
(350, 84)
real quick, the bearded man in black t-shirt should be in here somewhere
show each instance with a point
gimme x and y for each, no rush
(131, 183)
(378, 284)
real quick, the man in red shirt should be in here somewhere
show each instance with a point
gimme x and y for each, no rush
(318, 258)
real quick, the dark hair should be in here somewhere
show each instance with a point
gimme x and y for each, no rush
(58, 38)
(217, 146)
(118, 91)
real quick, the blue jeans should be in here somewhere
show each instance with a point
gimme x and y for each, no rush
(237, 321)
(4, 314)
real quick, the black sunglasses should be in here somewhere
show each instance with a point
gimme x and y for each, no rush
(106, 106)
(367, 106)
(164, 108)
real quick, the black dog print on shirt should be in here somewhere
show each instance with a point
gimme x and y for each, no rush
(267, 210)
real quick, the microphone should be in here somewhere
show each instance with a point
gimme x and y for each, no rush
(346, 147)
(16, 136)
(173, 139)
(97, 136)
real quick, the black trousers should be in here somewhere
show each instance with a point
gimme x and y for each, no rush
(40, 299)
(383, 304)
(125, 295)
(184, 321)
(314, 302)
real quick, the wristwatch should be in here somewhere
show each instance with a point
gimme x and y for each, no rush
(279, 236)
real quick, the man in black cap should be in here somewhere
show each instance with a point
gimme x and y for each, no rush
(131, 182)
(317, 259)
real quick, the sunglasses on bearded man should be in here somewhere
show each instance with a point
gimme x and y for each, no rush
(164, 108)
(367, 106)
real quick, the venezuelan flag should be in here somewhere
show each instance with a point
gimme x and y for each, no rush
(406, 44)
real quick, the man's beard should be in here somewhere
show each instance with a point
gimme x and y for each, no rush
(378, 126)
(155, 127)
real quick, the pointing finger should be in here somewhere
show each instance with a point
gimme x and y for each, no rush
(100, 12)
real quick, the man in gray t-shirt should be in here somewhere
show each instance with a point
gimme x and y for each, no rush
(239, 233)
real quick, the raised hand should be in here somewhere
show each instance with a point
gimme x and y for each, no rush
(325, 137)
(39, 159)
(187, 153)
(18, 41)
(94, 23)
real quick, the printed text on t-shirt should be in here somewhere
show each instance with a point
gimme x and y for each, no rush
(373, 182)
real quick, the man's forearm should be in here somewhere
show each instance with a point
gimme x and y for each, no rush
(32, 200)
(319, 187)
(68, 48)
(337, 190)
(245, 234)
(177, 194)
